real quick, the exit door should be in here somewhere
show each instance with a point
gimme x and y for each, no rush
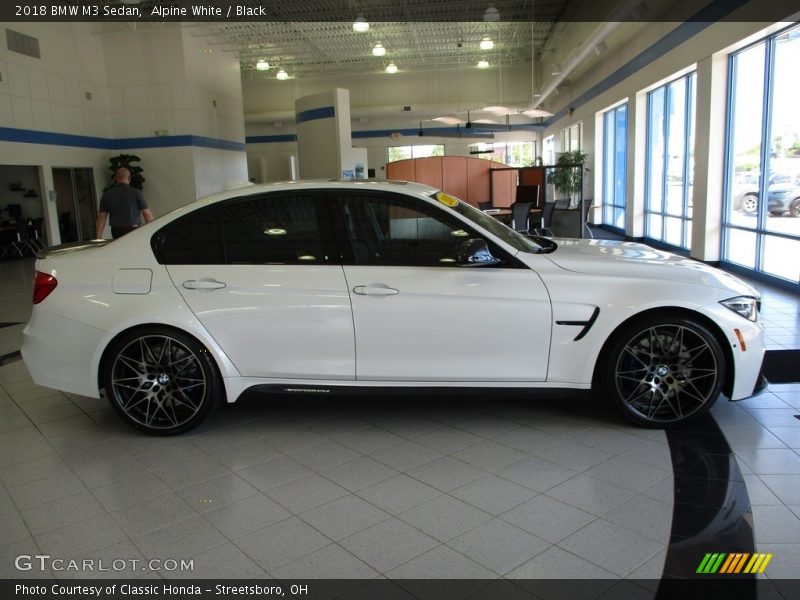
(76, 202)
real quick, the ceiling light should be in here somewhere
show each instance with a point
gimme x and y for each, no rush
(391, 68)
(262, 65)
(360, 24)
(275, 231)
(282, 75)
(378, 49)
(535, 113)
(491, 15)
(483, 64)
(487, 43)
(449, 120)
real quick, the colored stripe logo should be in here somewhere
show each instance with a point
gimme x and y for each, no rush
(733, 563)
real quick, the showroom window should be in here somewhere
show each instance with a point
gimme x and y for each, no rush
(762, 214)
(572, 138)
(549, 150)
(268, 230)
(513, 154)
(615, 172)
(420, 151)
(669, 162)
(396, 232)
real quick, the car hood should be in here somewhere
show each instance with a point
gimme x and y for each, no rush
(630, 259)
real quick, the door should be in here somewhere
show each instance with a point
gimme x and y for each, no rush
(420, 317)
(76, 203)
(261, 277)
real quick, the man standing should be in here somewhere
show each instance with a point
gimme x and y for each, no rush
(124, 204)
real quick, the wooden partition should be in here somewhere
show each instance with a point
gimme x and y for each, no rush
(465, 177)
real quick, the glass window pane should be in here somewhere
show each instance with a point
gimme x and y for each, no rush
(621, 156)
(653, 225)
(746, 121)
(619, 218)
(740, 247)
(676, 149)
(655, 150)
(195, 239)
(399, 153)
(673, 230)
(781, 258)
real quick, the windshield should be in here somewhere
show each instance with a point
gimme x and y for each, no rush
(519, 241)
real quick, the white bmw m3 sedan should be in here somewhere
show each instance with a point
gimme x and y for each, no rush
(317, 287)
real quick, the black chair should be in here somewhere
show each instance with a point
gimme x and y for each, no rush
(485, 205)
(520, 216)
(587, 231)
(547, 217)
(23, 242)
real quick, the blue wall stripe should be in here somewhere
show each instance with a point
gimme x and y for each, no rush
(681, 34)
(312, 114)
(29, 136)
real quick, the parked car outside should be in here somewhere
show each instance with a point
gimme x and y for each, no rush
(745, 197)
(317, 287)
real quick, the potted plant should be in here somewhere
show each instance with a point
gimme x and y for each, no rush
(126, 160)
(567, 175)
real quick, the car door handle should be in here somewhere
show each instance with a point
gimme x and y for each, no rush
(203, 284)
(375, 289)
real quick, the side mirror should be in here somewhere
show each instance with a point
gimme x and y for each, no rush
(474, 252)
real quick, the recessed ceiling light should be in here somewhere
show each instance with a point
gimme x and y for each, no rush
(391, 68)
(491, 15)
(306, 257)
(360, 24)
(487, 43)
(483, 64)
(262, 65)
(378, 49)
(275, 231)
(282, 75)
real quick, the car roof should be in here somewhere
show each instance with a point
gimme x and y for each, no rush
(242, 191)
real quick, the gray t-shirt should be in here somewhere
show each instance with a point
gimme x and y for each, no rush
(123, 204)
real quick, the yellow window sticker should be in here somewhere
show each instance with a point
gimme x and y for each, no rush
(447, 199)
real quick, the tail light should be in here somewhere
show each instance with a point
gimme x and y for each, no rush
(43, 284)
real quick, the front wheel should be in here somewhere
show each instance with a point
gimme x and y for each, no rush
(160, 380)
(662, 370)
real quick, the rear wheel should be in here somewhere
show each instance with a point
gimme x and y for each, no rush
(662, 370)
(160, 380)
(750, 203)
(794, 208)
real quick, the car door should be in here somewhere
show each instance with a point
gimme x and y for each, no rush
(263, 277)
(419, 316)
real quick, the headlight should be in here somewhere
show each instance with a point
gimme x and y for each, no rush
(745, 306)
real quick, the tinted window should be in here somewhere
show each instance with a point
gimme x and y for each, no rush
(195, 239)
(399, 232)
(283, 229)
(273, 230)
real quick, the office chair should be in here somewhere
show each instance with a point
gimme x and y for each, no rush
(547, 217)
(520, 215)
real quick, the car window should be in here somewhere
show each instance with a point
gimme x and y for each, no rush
(395, 231)
(273, 229)
(194, 239)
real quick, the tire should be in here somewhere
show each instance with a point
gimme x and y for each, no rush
(750, 203)
(794, 208)
(160, 380)
(679, 379)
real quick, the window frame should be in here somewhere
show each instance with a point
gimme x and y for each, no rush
(760, 231)
(614, 206)
(689, 119)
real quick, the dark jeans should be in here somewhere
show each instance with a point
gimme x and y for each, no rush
(120, 231)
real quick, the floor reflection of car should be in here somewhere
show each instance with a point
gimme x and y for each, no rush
(745, 197)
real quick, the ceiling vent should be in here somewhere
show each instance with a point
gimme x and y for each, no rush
(23, 44)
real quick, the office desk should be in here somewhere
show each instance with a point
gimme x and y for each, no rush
(504, 215)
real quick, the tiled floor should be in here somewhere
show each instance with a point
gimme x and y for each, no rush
(403, 487)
